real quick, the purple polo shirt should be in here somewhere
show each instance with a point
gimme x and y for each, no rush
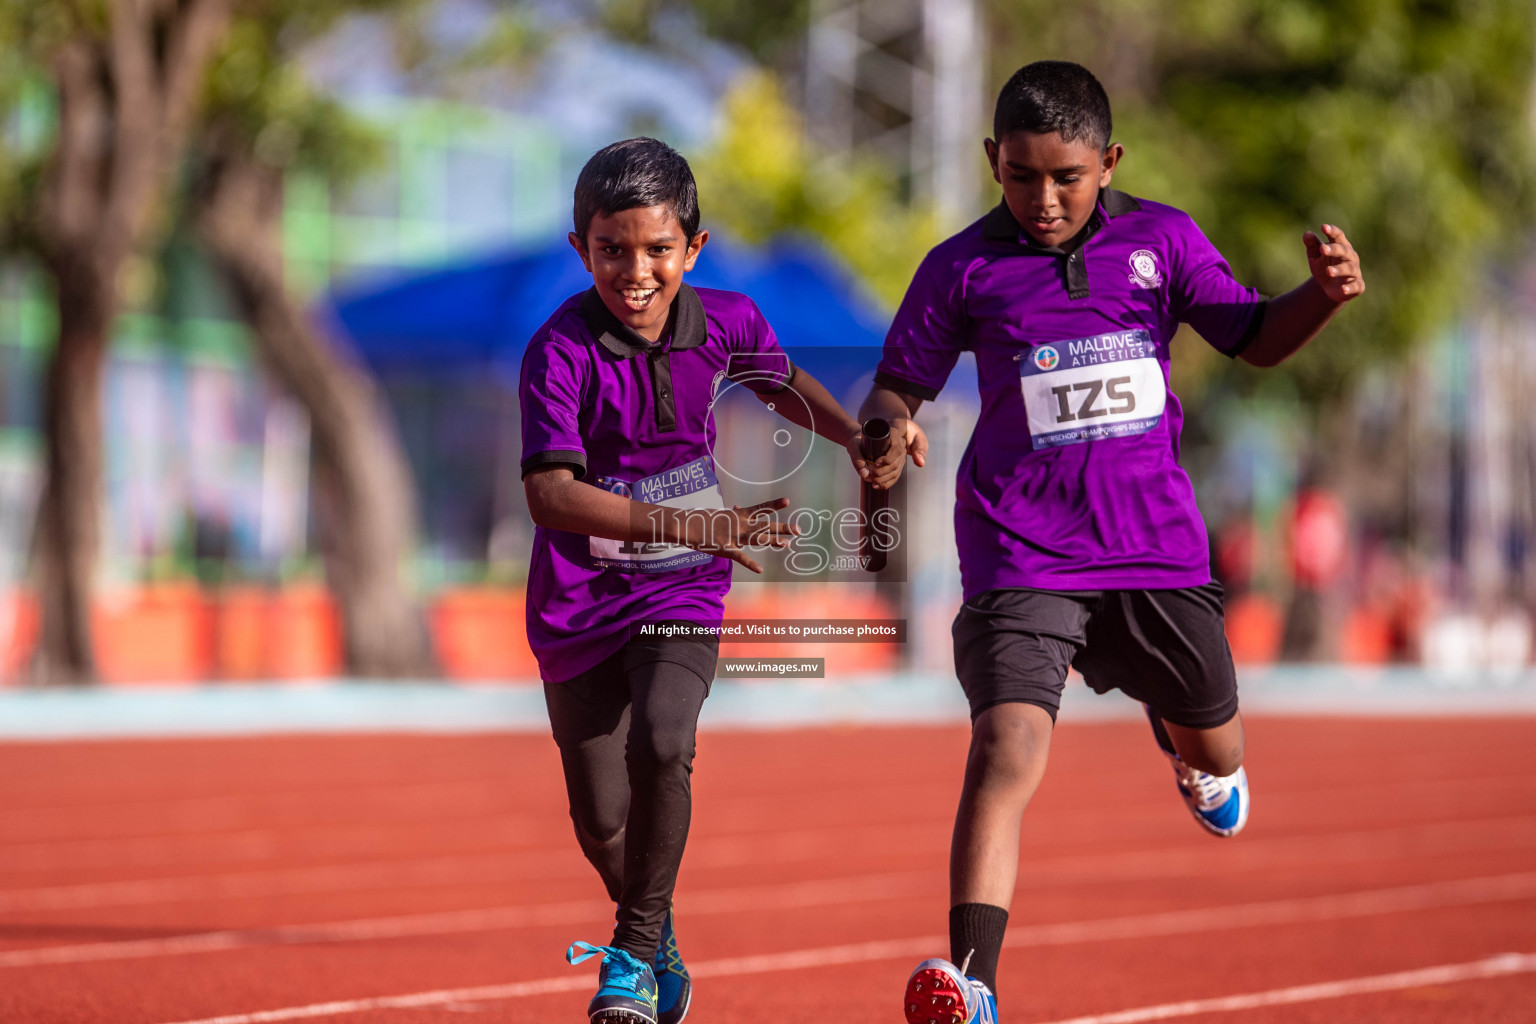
(633, 418)
(1071, 480)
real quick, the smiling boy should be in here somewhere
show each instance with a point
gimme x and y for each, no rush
(631, 534)
(1079, 540)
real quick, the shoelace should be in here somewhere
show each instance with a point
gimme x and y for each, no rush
(1208, 790)
(624, 971)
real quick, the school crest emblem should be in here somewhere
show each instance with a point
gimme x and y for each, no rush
(1144, 272)
(1047, 357)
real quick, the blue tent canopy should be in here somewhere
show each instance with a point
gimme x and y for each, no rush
(480, 315)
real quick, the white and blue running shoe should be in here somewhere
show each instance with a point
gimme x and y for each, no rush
(938, 993)
(674, 989)
(626, 988)
(1218, 802)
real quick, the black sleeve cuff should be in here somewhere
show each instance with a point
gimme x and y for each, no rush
(905, 387)
(789, 380)
(763, 381)
(576, 460)
(1255, 323)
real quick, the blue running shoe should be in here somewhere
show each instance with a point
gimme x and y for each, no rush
(626, 988)
(937, 993)
(1218, 802)
(674, 989)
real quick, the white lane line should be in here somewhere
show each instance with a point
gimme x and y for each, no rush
(1399, 899)
(1493, 967)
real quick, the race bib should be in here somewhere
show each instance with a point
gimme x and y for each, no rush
(1106, 386)
(688, 486)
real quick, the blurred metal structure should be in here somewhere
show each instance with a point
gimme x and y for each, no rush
(1500, 460)
(900, 81)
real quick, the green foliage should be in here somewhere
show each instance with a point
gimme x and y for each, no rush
(299, 21)
(510, 41)
(29, 33)
(29, 28)
(762, 178)
(258, 92)
(258, 88)
(769, 30)
(1406, 122)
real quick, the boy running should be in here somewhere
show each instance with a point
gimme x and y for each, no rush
(616, 394)
(1080, 543)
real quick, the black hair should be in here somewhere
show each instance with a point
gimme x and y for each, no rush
(1054, 96)
(636, 172)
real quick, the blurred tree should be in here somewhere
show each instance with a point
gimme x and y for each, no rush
(128, 76)
(262, 121)
(761, 178)
(773, 32)
(141, 91)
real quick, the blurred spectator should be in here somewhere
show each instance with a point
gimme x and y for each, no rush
(1236, 550)
(1319, 530)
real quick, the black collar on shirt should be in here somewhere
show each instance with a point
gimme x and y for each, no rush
(999, 225)
(689, 329)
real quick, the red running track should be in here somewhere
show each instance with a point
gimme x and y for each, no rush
(1388, 874)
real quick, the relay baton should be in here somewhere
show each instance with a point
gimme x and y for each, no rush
(877, 441)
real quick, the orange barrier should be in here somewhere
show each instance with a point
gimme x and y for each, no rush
(175, 633)
(480, 635)
(240, 642)
(1254, 623)
(179, 634)
(1367, 638)
(18, 632)
(303, 634)
(159, 634)
(813, 601)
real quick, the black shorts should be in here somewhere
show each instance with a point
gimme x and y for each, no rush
(1165, 648)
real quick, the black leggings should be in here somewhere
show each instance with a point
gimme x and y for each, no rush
(626, 735)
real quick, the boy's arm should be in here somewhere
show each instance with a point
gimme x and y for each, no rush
(1295, 318)
(558, 501)
(907, 437)
(825, 416)
(822, 414)
(819, 413)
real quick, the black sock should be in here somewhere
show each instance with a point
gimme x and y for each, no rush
(976, 931)
(1163, 739)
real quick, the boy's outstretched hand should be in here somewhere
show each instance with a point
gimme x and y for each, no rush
(1335, 266)
(907, 438)
(729, 531)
